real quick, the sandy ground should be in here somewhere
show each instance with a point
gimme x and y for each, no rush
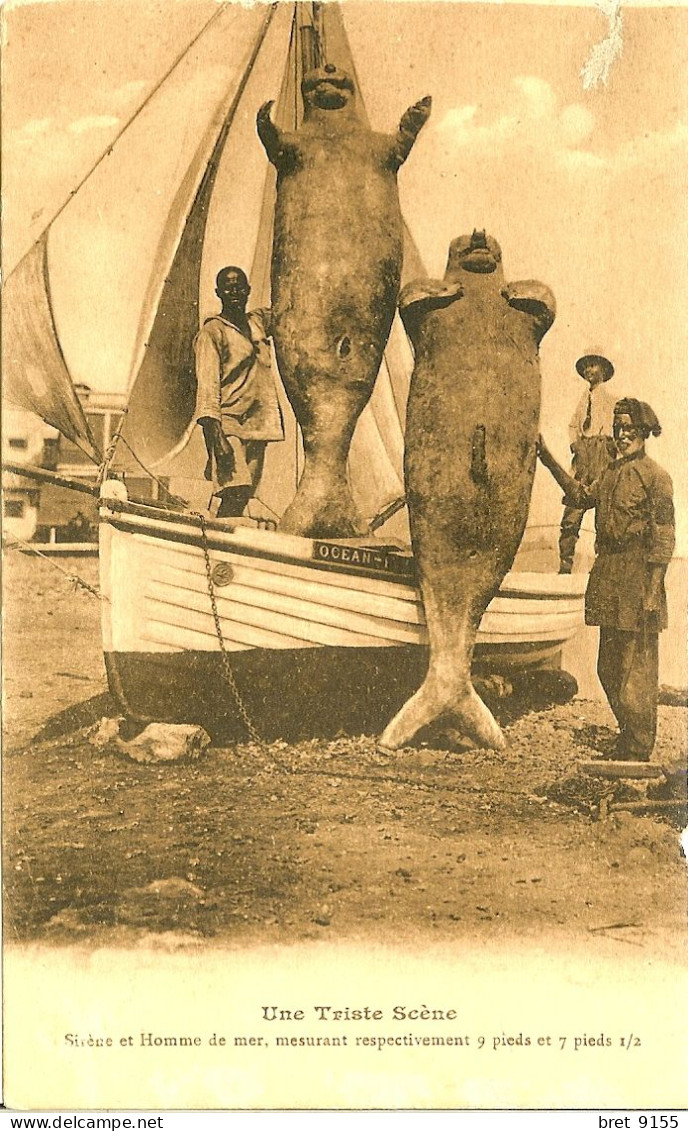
(278, 844)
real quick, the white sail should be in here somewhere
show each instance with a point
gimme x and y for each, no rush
(163, 392)
(35, 376)
(159, 428)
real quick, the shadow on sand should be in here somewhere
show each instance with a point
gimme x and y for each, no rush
(508, 698)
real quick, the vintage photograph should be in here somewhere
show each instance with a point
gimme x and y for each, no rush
(345, 522)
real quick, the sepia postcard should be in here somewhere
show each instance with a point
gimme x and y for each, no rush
(345, 535)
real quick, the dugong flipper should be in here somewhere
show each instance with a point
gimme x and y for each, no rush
(336, 266)
(471, 432)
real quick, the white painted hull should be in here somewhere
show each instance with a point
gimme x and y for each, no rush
(280, 595)
(280, 598)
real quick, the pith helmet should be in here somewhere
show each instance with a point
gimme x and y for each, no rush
(592, 356)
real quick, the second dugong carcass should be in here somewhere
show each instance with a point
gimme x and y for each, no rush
(336, 268)
(471, 434)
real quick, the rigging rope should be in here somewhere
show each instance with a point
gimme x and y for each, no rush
(257, 499)
(83, 451)
(320, 40)
(125, 127)
(74, 578)
(172, 498)
(110, 452)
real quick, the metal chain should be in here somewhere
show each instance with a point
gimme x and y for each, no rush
(229, 674)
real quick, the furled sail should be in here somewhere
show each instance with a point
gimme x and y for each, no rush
(303, 54)
(35, 375)
(284, 462)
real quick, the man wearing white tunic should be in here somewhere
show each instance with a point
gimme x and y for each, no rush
(236, 401)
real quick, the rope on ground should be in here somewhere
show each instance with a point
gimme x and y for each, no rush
(428, 785)
(77, 581)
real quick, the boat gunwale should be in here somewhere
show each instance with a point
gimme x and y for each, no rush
(223, 537)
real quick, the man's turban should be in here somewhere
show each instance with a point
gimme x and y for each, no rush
(642, 415)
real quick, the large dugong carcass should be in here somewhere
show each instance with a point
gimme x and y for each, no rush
(336, 267)
(471, 433)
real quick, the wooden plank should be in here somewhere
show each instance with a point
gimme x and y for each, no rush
(42, 475)
(648, 806)
(601, 768)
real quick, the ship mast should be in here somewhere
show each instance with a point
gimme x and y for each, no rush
(312, 36)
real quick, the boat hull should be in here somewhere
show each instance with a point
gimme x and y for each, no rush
(319, 637)
(290, 694)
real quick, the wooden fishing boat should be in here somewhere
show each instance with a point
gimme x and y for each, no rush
(228, 622)
(318, 636)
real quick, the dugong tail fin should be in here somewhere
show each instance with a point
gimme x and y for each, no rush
(460, 706)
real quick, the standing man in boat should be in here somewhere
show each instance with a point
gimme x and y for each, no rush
(634, 518)
(590, 437)
(236, 401)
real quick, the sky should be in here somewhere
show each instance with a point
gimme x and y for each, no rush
(585, 189)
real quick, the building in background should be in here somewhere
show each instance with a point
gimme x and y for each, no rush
(25, 440)
(44, 512)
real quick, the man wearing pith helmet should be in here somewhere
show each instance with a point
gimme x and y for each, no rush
(634, 520)
(590, 437)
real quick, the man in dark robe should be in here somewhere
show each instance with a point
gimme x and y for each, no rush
(634, 518)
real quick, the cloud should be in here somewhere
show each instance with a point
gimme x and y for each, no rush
(656, 147)
(580, 160)
(535, 121)
(539, 100)
(122, 98)
(126, 96)
(458, 122)
(561, 135)
(576, 123)
(92, 122)
(34, 128)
